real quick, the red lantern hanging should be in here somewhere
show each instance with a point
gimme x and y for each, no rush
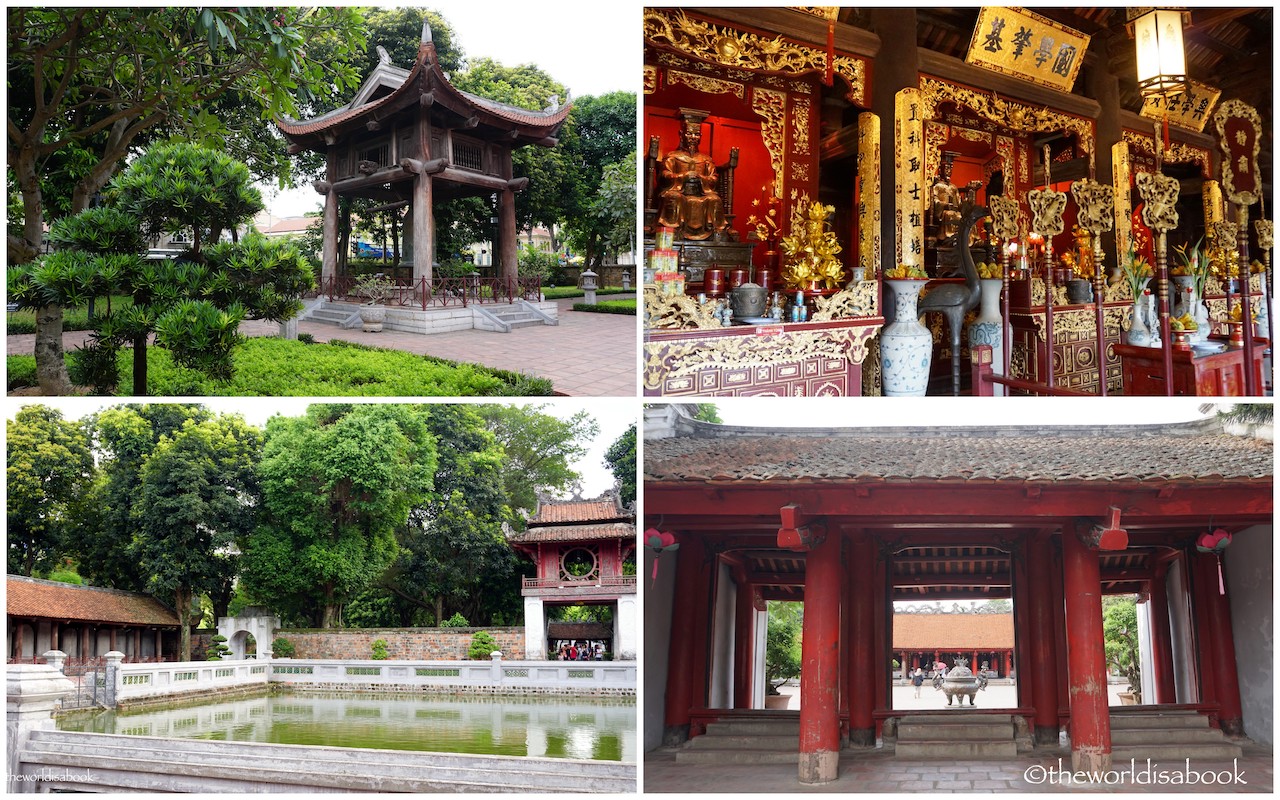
(1215, 542)
(659, 542)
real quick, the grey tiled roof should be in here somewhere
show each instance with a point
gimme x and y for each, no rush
(1121, 454)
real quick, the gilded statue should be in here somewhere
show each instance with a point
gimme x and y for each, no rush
(690, 203)
(944, 206)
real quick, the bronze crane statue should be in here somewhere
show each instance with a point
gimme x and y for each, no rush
(955, 300)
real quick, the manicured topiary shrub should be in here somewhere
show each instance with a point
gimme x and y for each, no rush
(456, 621)
(379, 650)
(282, 648)
(482, 644)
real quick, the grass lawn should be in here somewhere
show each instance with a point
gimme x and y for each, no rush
(280, 367)
(561, 292)
(627, 306)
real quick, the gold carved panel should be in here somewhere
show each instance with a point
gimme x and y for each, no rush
(771, 106)
(703, 83)
(869, 194)
(1011, 115)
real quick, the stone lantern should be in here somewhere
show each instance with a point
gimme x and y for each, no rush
(589, 285)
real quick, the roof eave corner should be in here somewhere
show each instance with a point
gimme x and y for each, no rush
(426, 47)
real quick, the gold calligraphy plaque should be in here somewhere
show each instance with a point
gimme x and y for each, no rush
(1186, 110)
(869, 194)
(910, 186)
(1021, 43)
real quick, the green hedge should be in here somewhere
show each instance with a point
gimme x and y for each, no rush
(73, 319)
(285, 368)
(609, 307)
(561, 292)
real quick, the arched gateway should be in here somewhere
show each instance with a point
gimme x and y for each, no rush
(849, 520)
(409, 137)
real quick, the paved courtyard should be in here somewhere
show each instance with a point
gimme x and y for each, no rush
(586, 355)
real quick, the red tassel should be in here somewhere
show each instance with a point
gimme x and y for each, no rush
(831, 51)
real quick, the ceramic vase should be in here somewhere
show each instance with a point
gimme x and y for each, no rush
(1139, 333)
(988, 328)
(1258, 305)
(906, 346)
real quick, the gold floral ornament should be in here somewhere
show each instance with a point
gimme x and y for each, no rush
(1096, 205)
(1136, 271)
(1046, 209)
(763, 220)
(1160, 195)
(1265, 229)
(1004, 216)
(811, 249)
(908, 272)
(1224, 261)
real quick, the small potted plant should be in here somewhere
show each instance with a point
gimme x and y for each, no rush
(375, 288)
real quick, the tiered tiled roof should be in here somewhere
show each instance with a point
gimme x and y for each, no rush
(578, 520)
(31, 597)
(1192, 452)
(952, 631)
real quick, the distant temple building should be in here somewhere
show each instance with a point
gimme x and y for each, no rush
(586, 554)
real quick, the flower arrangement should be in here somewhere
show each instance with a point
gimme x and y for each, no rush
(764, 222)
(989, 269)
(1194, 263)
(811, 249)
(1136, 271)
(908, 272)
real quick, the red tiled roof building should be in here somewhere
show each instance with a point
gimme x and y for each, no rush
(409, 137)
(585, 553)
(84, 621)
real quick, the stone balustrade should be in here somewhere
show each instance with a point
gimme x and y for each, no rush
(142, 681)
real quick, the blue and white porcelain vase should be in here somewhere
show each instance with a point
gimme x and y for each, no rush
(1140, 333)
(988, 328)
(906, 346)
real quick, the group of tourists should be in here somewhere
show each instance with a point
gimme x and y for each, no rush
(580, 651)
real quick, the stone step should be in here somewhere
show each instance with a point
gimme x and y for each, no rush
(745, 727)
(324, 764)
(1188, 719)
(1161, 736)
(1221, 751)
(738, 756)
(949, 749)
(957, 718)
(910, 730)
(746, 742)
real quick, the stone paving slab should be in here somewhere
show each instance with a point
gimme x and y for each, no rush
(586, 355)
(876, 771)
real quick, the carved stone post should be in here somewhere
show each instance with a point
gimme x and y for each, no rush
(32, 693)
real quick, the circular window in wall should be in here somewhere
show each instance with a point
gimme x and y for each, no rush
(579, 564)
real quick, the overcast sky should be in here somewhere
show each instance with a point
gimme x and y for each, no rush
(613, 416)
(592, 49)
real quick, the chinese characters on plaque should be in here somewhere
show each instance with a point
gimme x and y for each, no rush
(1013, 41)
(911, 185)
(1185, 110)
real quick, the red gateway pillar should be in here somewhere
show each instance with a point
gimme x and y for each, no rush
(861, 627)
(820, 664)
(744, 644)
(1044, 661)
(1223, 649)
(1161, 639)
(1086, 662)
(688, 605)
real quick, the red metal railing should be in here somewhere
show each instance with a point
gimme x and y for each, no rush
(438, 292)
(609, 581)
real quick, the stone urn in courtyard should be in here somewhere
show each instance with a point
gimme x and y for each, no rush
(375, 289)
(960, 682)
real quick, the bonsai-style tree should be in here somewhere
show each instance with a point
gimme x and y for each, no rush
(282, 648)
(379, 648)
(218, 649)
(193, 305)
(782, 645)
(482, 644)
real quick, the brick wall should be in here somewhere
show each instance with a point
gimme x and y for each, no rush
(411, 644)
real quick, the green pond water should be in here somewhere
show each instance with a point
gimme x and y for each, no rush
(601, 729)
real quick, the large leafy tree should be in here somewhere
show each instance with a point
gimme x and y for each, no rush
(602, 133)
(1120, 639)
(49, 466)
(453, 556)
(124, 437)
(338, 483)
(197, 496)
(540, 449)
(621, 460)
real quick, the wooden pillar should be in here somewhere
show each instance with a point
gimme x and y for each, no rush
(507, 246)
(744, 645)
(861, 692)
(1104, 87)
(1044, 661)
(137, 644)
(1203, 621)
(689, 606)
(1008, 663)
(84, 641)
(881, 617)
(17, 640)
(54, 638)
(159, 648)
(1025, 633)
(1058, 600)
(1223, 650)
(329, 252)
(1161, 638)
(1090, 716)
(112, 635)
(424, 229)
(819, 664)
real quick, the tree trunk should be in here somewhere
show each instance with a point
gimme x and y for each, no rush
(140, 366)
(182, 605)
(439, 610)
(51, 368)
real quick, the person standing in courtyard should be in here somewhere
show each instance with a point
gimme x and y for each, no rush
(917, 680)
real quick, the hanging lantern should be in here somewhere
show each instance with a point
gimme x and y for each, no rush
(1162, 60)
(659, 541)
(1215, 542)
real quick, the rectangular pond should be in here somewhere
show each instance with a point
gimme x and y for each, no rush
(602, 729)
